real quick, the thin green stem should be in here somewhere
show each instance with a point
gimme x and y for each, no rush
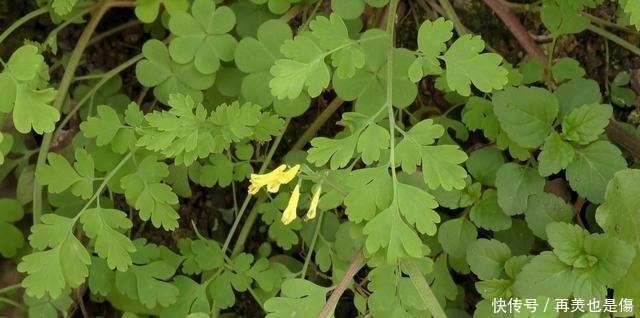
(312, 246)
(9, 289)
(104, 78)
(614, 38)
(63, 89)
(12, 303)
(318, 123)
(245, 230)
(68, 22)
(245, 204)
(112, 31)
(22, 21)
(389, 102)
(424, 290)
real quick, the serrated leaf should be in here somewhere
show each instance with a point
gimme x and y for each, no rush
(545, 275)
(576, 93)
(107, 128)
(566, 69)
(466, 65)
(332, 34)
(526, 114)
(155, 200)
(372, 191)
(59, 176)
(104, 226)
(387, 230)
(455, 235)
(586, 123)
(299, 298)
(148, 284)
(440, 163)
(487, 214)
(562, 17)
(515, 184)
(304, 67)
(51, 271)
(372, 140)
(63, 7)
(555, 156)
(336, 152)
(543, 209)
(593, 167)
(487, 258)
(202, 36)
(432, 39)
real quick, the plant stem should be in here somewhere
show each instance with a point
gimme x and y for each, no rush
(104, 78)
(453, 16)
(424, 290)
(63, 88)
(307, 259)
(245, 204)
(22, 21)
(10, 288)
(12, 303)
(614, 38)
(105, 34)
(352, 270)
(389, 101)
(245, 230)
(317, 124)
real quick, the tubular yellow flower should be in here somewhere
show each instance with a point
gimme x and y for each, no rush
(290, 213)
(315, 199)
(273, 179)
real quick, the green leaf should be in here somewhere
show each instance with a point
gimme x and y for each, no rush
(11, 211)
(299, 298)
(148, 284)
(60, 176)
(104, 226)
(586, 123)
(483, 164)
(368, 86)
(50, 272)
(620, 94)
(372, 140)
(202, 36)
(526, 114)
(515, 184)
(487, 214)
(518, 237)
(21, 81)
(147, 10)
(371, 192)
(545, 275)
(417, 206)
(619, 208)
(543, 209)
(155, 200)
(440, 163)
(388, 230)
(455, 235)
(556, 155)
(201, 255)
(285, 236)
(63, 7)
(192, 297)
(633, 9)
(566, 68)
(593, 167)
(466, 65)
(432, 39)
(561, 17)
(487, 258)
(107, 128)
(576, 93)
(332, 35)
(167, 77)
(304, 66)
(567, 241)
(336, 151)
(351, 9)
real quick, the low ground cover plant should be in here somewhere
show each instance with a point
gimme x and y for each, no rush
(312, 158)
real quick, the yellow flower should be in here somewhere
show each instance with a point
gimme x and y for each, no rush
(273, 179)
(315, 199)
(290, 213)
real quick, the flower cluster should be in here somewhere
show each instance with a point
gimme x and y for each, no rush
(274, 179)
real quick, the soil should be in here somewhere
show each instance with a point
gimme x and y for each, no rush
(203, 207)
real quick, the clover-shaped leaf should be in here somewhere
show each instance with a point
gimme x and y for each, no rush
(147, 10)
(158, 70)
(202, 36)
